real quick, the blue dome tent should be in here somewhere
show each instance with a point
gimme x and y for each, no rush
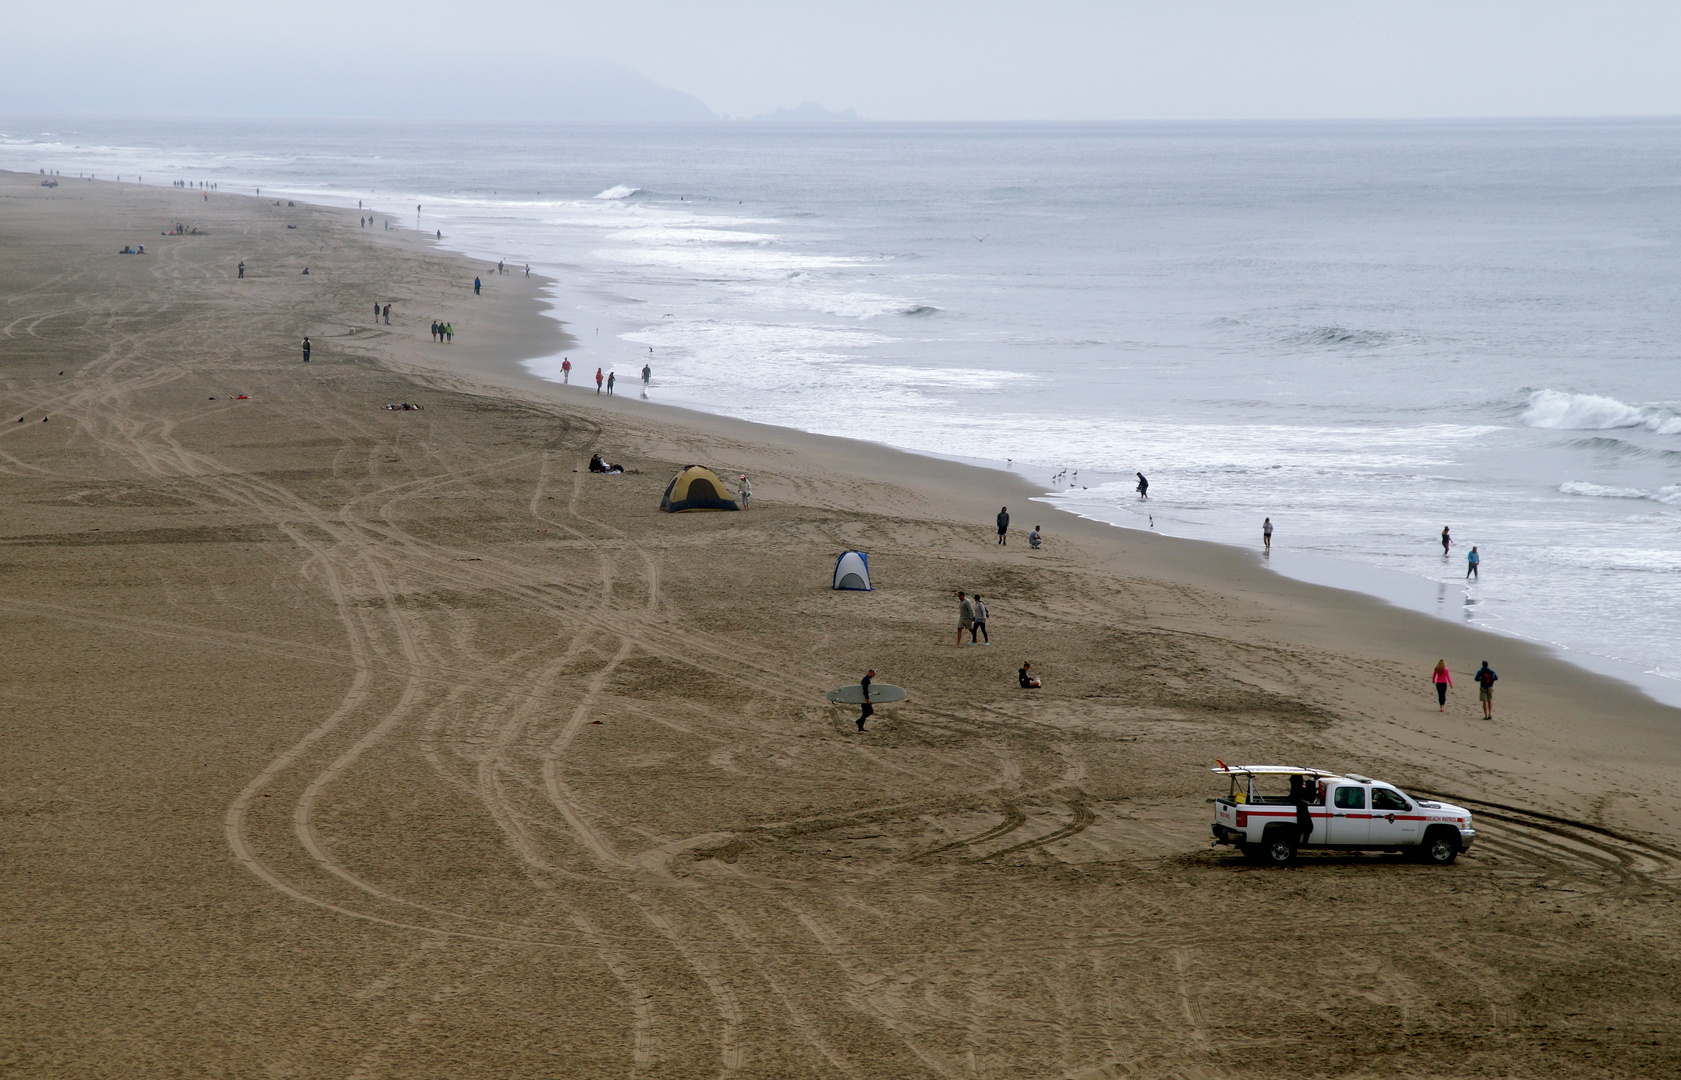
(852, 571)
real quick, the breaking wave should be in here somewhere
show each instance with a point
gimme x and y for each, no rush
(1669, 495)
(918, 311)
(618, 191)
(1593, 412)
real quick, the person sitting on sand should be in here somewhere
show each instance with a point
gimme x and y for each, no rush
(1026, 677)
(602, 465)
(1035, 538)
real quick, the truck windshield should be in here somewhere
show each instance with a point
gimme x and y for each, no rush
(1384, 799)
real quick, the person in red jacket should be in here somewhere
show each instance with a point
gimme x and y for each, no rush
(1443, 679)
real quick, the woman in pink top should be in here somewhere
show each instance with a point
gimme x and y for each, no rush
(1443, 679)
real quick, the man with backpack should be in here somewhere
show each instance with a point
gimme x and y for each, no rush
(1485, 679)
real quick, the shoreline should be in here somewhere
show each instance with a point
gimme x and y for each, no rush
(1231, 563)
(349, 741)
(1365, 578)
(1391, 588)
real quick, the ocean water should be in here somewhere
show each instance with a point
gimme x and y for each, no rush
(1366, 331)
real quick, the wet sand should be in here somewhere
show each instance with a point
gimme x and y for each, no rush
(344, 742)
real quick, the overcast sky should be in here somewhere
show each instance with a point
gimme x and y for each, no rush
(924, 59)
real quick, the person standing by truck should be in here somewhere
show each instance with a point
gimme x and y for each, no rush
(1485, 679)
(1443, 679)
(1301, 795)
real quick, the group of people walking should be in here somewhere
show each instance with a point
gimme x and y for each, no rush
(1484, 677)
(443, 331)
(971, 619)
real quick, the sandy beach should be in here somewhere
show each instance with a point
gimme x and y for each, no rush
(347, 742)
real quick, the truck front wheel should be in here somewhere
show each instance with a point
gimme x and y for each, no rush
(1439, 848)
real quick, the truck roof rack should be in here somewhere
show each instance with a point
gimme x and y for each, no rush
(1264, 770)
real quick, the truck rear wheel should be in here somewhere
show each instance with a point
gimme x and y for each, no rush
(1440, 848)
(1279, 849)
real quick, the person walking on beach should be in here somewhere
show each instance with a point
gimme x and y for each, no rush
(1485, 679)
(1003, 525)
(980, 624)
(1447, 541)
(1266, 533)
(306, 348)
(965, 617)
(610, 380)
(566, 370)
(476, 285)
(449, 332)
(647, 374)
(434, 330)
(598, 378)
(867, 710)
(1143, 487)
(242, 271)
(387, 314)
(1472, 561)
(376, 311)
(746, 493)
(1443, 679)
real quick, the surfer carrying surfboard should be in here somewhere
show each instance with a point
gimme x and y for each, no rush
(868, 710)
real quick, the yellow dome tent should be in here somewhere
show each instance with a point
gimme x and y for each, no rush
(696, 488)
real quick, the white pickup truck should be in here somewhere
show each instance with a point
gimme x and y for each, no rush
(1273, 811)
